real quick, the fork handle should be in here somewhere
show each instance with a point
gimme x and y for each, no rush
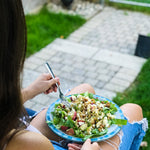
(52, 74)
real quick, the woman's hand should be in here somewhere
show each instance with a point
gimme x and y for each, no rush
(74, 146)
(86, 146)
(43, 84)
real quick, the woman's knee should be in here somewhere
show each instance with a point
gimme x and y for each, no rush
(85, 87)
(132, 111)
(89, 88)
(132, 105)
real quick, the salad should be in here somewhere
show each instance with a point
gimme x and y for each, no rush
(88, 116)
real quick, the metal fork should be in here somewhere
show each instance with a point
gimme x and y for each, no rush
(61, 95)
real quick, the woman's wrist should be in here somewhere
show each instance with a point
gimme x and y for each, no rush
(27, 94)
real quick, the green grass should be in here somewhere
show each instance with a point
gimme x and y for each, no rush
(141, 1)
(45, 27)
(139, 93)
(142, 9)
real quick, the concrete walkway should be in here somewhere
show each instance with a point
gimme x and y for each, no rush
(99, 53)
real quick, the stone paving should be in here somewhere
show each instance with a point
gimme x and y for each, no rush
(99, 53)
(112, 29)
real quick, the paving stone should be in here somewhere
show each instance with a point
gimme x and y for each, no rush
(56, 59)
(28, 77)
(90, 68)
(101, 64)
(37, 107)
(61, 54)
(67, 61)
(52, 99)
(90, 74)
(105, 93)
(29, 104)
(128, 71)
(67, 84)
(73, 48)
(124, 60)
(103, 77)
(86, 42)
(65, 75)
(114, 68)
(77, 59)
(90, 62)
(114, 87)
(73, 38)
(103, 71)
(42, 55)
(111, 73)
(80, 65)
(125, 77)
(120, 82)
(124, 50)
(30, 6)
(55, 65)
(49, 51)
(57, 72)
(35, 60)
(100, 84)
(41, 69)
(91, 81)
(77, 78)
(72, 77)
(67, 68)
(78, 71)
(29, 65)
(41, 99)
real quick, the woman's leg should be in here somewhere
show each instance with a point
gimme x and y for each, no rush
(132, 112)
(39, 121)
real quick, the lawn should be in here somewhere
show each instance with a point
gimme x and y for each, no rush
(139, 93)
(141, 1)
(45, 27)
(131, 7)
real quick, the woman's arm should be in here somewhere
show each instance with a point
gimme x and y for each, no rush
(26, 140)
(43, 84)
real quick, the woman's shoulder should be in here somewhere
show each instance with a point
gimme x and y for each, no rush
(27, 140)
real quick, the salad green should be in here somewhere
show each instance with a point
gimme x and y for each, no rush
(88, 116)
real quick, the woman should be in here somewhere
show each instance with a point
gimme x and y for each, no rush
(15, 132)
(12, 55)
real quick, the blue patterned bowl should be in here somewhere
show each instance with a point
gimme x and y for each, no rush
(112, 130)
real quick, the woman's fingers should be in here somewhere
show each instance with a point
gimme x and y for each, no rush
(88, 146)
(74, 146)
(53, 81)
(95, 144)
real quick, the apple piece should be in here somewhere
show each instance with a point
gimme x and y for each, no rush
(74, 116)
(70, 131)
(63, 128)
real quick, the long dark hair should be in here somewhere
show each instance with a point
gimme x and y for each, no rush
(12, 56)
